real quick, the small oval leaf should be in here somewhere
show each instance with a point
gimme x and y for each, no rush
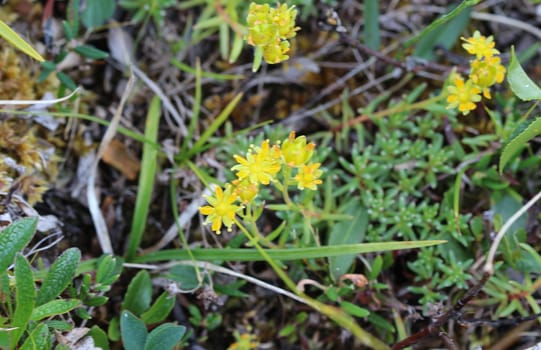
(139, 294)
(160, 309)
(133, 330)
(59, 276)
(520, 83)
(522, 134)
(90, 52)
(55, 307)
(14, 238)
(164, 337)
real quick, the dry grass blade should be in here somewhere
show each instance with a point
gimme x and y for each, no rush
(92, 197)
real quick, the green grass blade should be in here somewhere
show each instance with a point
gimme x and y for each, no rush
(185, 68)
(442, 20)
(146, 179)
(14, 39)
(222, 117)
(371, 24)
(243, 254)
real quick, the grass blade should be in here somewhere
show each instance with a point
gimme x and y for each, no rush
(146, 179)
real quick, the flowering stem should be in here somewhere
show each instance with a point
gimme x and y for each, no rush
(285, 193)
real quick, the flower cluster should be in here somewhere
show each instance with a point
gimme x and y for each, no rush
(262, 165)
(485, 70)
(269, 28)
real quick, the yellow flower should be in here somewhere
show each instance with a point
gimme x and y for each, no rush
(295, 151)
(221, 209)
(269, 28)
(487, 72)
(308, 176)
(260, 165)
(284, 18)
(463, 95)
(244, 342)
(245, 190)
(276, 53)
(479, 45)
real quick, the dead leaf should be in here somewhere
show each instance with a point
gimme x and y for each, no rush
(120, 158)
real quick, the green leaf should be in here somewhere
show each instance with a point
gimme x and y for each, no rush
(146, 180)
(113, 331)
(97, 12)
(109, 269)
(59, 276)
(371, 31)
(37, 339)
(160, 309)
(15, 40)
(14, 238)
(347, 232)
(139, 293)
(25, 295)
(185, 275)
(66, 80)
(99, 337)
(164, 337)
(353, 309)
(445, 37)
(91, 52)
(133, 330)
(242, 254)
(520, 137)
(55, 307)
(520, 83)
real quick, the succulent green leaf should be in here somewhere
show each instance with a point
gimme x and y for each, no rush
(164, 337)
(520, 83)
(159, 310)
(133, 330)
(139, 293)
(59, 276)
(520, 137)
(14, 238)
(25, 294)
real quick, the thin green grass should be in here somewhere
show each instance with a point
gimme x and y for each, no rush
(146, 180)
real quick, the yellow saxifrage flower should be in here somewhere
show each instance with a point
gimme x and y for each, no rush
(269, 28)
(260, 165)
(308, 176)
(487, 72)
(480, 46)
(295, 151)
(245, 190)
(221, 209)
(463, 95)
